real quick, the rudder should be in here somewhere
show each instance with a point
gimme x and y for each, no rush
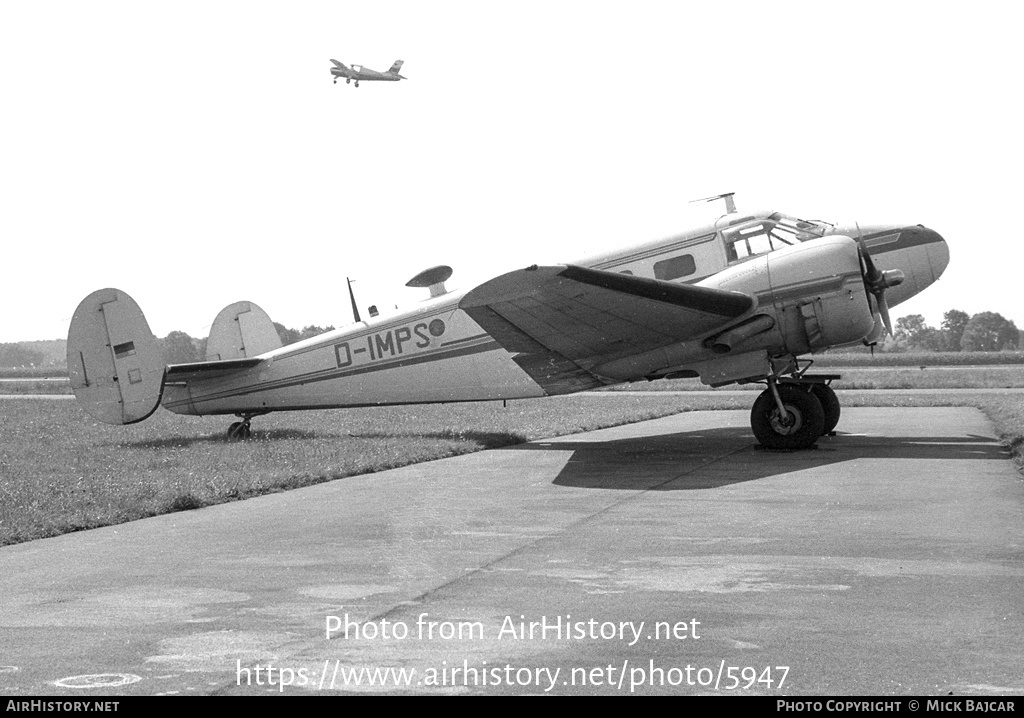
(115, 367)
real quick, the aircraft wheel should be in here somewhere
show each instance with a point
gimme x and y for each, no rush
(239, 431)
(830, 405)
(799, 429)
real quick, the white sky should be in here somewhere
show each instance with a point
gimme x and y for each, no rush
(194, 154)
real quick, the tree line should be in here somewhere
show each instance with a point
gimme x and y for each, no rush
(177, 347)
(959, 332)
(16, 355)
(180, 348)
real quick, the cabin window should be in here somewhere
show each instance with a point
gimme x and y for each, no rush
(626, 271)
(681, 266)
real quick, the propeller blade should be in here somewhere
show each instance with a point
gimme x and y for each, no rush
(883, 309)
(871, 274)
(876, 281)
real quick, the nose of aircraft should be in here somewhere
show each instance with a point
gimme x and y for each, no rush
(932, 241)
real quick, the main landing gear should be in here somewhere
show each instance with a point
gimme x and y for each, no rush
(240, 430)
(793, 413)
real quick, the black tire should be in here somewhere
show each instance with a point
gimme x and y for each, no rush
(830, 404)
(805, 412)
(239, 431)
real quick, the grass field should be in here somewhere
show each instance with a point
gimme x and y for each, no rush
(62, 471)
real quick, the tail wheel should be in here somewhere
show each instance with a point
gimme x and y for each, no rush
(239, 431)
(798, 428)
(829, 404)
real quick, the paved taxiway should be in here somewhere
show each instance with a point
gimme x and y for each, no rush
(887, 561)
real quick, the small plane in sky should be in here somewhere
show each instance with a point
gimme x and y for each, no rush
(742, 300)
(359, 72)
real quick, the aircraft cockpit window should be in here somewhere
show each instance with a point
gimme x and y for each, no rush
(801, 229)
(761, 237)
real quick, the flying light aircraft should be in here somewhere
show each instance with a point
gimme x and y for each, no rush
(737, 301)
(359, 72)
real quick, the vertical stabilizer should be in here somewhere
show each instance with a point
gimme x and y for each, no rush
(241, 330)
(114, 364)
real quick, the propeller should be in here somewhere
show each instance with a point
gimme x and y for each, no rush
(877, 281)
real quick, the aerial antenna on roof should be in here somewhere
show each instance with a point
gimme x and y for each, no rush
(433, 278)
(730, 204)
(352, 296)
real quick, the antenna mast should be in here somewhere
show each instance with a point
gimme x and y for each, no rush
(352, 296)
(730, 204)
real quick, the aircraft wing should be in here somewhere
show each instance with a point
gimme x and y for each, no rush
(562, 320)
(341, 65)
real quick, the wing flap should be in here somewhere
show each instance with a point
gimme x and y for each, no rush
(557, 374)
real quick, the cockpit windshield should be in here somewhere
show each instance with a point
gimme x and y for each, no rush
(802, 229)
(759, 236)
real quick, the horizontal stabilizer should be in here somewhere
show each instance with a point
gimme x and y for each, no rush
(114, 364)
(208, 369)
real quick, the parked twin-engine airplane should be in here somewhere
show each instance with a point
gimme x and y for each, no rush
(359, 72)
(737, 301)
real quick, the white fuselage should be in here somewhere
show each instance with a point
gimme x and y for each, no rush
(358, 72)
(437, 353)
(433, 353)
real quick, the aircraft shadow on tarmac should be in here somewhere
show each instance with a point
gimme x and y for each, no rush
(713, 458)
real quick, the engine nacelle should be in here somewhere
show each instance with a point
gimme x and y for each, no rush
(819, 294)
(810, 297)
(815, 289)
